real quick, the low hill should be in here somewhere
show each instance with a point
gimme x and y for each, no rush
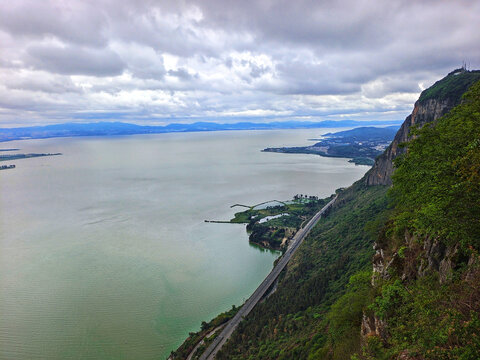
(365, 133)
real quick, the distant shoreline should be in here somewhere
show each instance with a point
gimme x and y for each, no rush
(120, 128)
(25, 156)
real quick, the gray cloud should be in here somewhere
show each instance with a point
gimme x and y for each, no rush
(221, 59)
(45, 83)
(73, 22)
(71, 60)
(182, 74)
(258, 70)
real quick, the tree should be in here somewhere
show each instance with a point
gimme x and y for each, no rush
(436, 183)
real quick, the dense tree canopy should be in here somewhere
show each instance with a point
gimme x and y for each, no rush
(437, 182)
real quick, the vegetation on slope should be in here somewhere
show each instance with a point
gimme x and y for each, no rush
(194, 338)
(420, 312)
(453, 85)
(436, 192)
(437, 183)
(292, 323)
(428, 320)
(425, 298)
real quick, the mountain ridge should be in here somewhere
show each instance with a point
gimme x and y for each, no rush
(121, 128)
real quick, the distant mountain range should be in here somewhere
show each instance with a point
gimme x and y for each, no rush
(120, 128)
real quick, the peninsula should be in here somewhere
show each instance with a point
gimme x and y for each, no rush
(6, 167)
(362, 145)
(273, 224)
(24, 156)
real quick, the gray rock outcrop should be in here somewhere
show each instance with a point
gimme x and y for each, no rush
(430, 110)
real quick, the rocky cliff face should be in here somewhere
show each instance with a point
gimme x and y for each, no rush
(433, 103)
(428, 111)
(418, 258)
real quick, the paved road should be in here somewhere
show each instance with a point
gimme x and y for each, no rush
(200, 343)
(227, 331)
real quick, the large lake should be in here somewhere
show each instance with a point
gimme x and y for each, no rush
(104, 252)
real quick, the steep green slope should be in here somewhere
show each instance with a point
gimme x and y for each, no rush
(291, 323)
(436, 184)
(425, 302)
(421, 297)
(434, 102)
(428, 303)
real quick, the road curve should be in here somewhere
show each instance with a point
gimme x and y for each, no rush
(227, 331)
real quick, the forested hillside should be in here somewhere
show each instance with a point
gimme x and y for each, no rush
(426, 271)
(393, 272)
(425, 298)
(293, 323)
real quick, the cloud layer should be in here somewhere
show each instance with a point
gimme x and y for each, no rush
(148, 61)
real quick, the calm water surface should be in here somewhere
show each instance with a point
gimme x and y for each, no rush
(104, 253)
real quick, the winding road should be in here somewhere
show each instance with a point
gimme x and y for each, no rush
(228, 330)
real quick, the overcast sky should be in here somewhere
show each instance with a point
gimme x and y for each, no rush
(165, 61)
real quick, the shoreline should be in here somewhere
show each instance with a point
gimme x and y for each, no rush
(264, 290)
(272, 224)
(266, 284)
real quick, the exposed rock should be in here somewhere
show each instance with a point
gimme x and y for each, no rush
(435, 253)
(473, 260)
(473, 265)
(433, 103)
(368, 326)
(439, 258)
(410, 255)
(380, 327)
(373, 326)
(405, 355)
(381, 266)
(448, 264)
(394, 260)
(428, 111)
(378, 264)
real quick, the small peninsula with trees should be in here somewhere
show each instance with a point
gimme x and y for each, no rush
(11, 157)
(24, 156)
(274, 223)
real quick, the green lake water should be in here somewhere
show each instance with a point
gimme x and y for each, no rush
(104, 252)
